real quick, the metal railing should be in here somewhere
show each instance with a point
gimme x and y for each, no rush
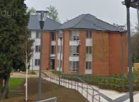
(91, 94)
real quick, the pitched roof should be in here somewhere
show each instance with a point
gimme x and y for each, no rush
(33, 23)
(87, 21)
(49, 24)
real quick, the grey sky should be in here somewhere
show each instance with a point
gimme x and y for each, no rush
(111, 11)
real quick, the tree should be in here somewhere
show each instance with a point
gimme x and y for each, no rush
(135, 47)
(53, 13)
(31, 10)
(13, 39)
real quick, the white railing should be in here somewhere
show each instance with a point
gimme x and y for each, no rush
(91, 94)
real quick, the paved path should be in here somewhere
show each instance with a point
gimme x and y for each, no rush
(22, 75)
(91, 92)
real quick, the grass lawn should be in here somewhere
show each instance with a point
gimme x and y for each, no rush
(15, 83)
(48, 90)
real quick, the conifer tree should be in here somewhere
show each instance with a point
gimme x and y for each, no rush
(13, 39)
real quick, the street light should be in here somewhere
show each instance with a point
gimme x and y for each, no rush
(134, 4)
(42, 17)
(60, 36)
(128, 4)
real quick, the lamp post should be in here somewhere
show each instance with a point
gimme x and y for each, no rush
(42, 17)
(60, 36)
(134, 4)
(128, 4)
(129, 56)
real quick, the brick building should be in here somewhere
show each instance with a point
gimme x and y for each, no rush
(48, 42)
(88, 46)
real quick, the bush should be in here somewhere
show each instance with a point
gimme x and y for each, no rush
(118, 83)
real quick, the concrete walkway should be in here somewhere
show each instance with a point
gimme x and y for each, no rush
(92, 93)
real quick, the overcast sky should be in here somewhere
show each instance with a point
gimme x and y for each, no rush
(111, 11)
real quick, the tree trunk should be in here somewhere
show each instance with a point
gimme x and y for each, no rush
(1, 88)
(6, 91)
(5, 88)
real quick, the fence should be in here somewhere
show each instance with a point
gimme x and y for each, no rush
(54, 99)
(89, 92)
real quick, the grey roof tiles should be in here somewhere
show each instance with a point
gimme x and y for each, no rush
(87, 21)
(33, 23)
(49, 24)
(84, 21)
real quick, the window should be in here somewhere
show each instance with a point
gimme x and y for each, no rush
(74, 50)
(75, 35)
(74, 65)
(88, 65)
(60, 49)
(89, 49)
(52, 36)
(52, 49)
(89, 34)
(37, 62)
(37, 34)
(37, 48)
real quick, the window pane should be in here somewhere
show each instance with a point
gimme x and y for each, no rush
(52, 49)
(74, 65)
(52, 36)
(37, 34)
(37, 48)
(74, 35)
(37, 62)
(89, 34)
(89, 50)
(74, 50)
(88, 65)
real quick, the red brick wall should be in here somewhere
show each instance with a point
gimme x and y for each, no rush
(108, 49)
(110, 53)
(118, 53)
(100, 53)
(66, 50)
(82, 52)
(46, 45)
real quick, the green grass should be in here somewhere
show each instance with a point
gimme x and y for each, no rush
(15, 83)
